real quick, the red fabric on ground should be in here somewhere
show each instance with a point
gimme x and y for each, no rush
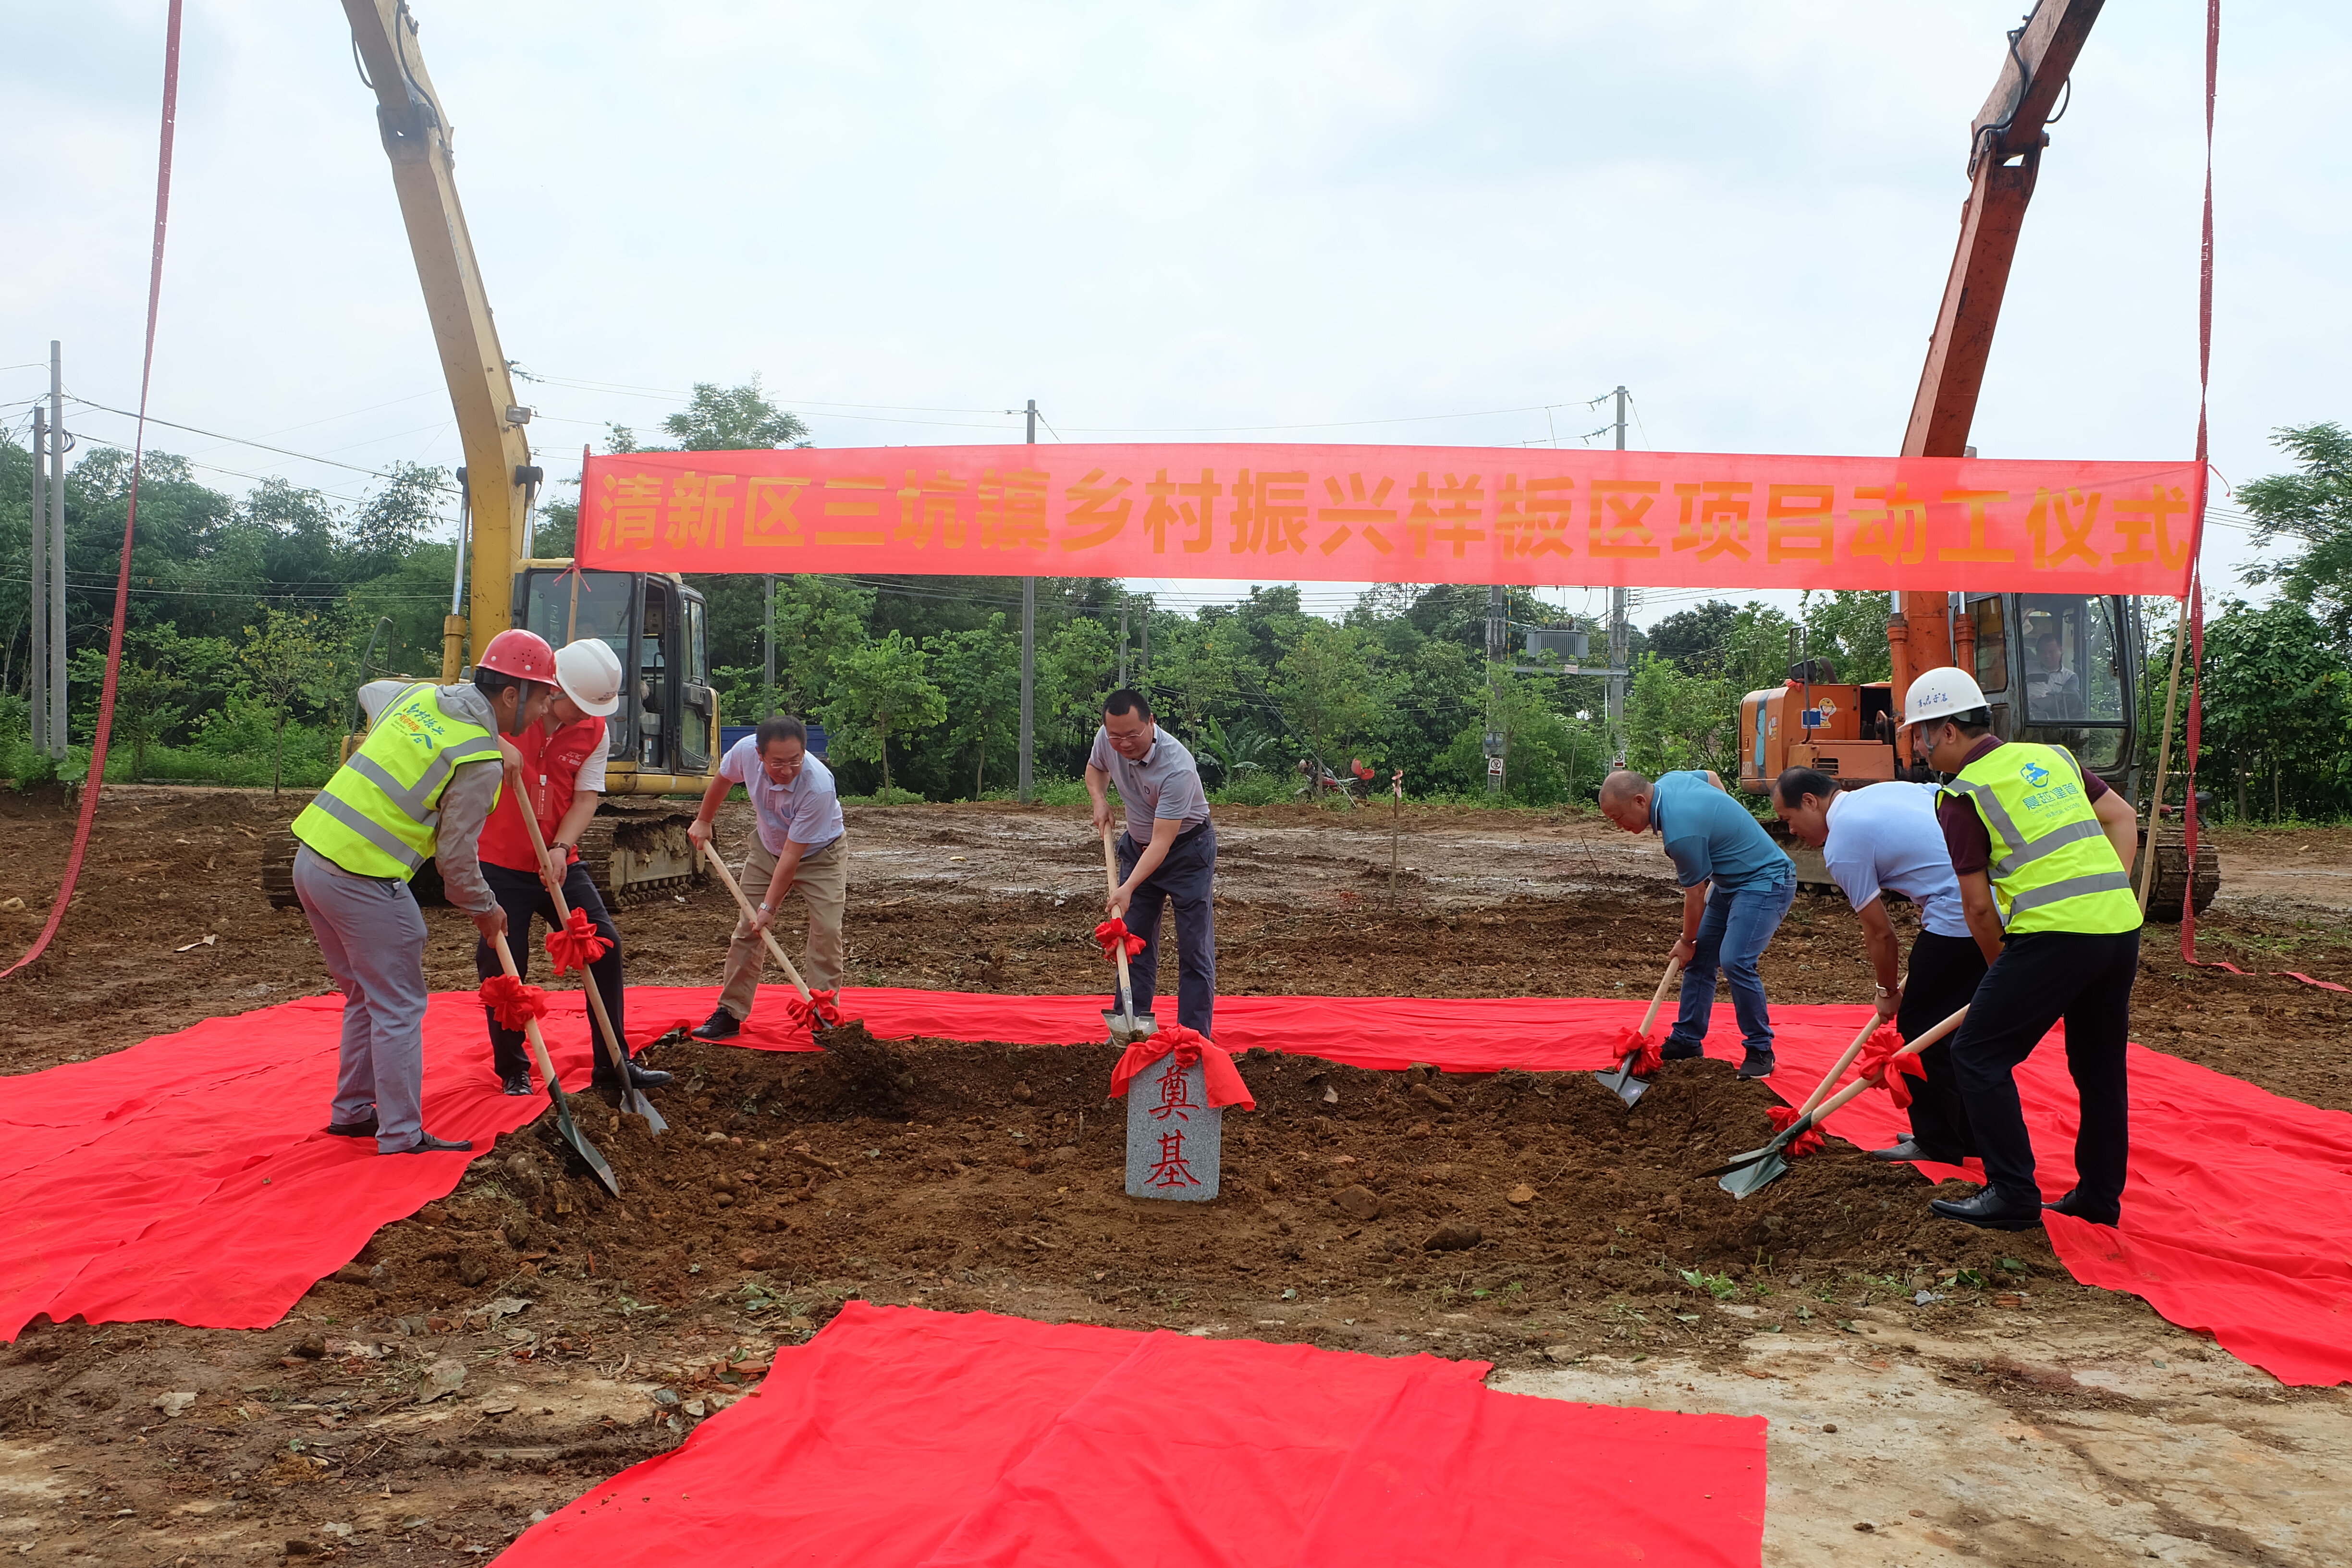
(138, 1180)
(900, 1436)
(189, 1177)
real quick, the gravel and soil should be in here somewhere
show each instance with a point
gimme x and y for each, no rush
(1526, 1219)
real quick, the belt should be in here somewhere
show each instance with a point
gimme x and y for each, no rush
(1130, 836)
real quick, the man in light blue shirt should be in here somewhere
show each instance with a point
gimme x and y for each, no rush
(1885, 839)
(1737, 887)
(801, 847)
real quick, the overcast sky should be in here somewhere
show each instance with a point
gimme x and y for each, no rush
(1435, 224)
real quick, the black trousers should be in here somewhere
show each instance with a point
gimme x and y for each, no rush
(1185, 878)
(2038, 980)
(522, 896)
(1943, 978)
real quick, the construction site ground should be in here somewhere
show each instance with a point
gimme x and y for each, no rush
(2016, 1418)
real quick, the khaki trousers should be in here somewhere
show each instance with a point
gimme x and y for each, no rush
(822, 882)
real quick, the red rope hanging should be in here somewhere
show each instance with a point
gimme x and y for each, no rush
(2197, 525)
(94, 786)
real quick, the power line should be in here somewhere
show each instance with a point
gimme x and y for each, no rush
(260, 445)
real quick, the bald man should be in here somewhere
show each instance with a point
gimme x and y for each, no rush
(1736, 886)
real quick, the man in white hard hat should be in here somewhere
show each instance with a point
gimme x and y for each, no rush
(563, 776)
(2040, 847)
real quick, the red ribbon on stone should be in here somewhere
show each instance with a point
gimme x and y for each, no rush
(1879, 1061)
(577, 944)
(1646, 1053)
(511, 1003)
(1111, 935)
(1808, 1142)
(1222, 1080)
(821, 1007)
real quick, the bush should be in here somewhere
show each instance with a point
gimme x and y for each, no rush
(1255, 789)
(887, 795)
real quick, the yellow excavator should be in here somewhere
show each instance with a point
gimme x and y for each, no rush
(665, 737)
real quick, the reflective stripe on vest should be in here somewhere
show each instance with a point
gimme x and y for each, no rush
(2052, 869)
(380, 814)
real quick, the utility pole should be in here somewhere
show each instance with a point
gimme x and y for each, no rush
(1122, 636)
(1496, 651)
(768, 698)
(37, 678)
(57, 551)
(1620, 635)
(1029, 662)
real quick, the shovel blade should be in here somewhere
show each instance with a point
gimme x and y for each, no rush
(572, 1134)
(1123, 1034)
(1620, 1082)
(1750, 1179)
(633, 1101)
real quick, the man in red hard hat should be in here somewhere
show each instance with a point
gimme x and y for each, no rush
(562, 777)
(420, 787)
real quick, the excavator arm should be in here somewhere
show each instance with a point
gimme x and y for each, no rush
(500, 481)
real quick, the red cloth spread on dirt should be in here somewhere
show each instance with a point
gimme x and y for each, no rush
(188, 1177)
(1112, 935)
(1220, 1079)
(1808, 1142)
(138, 1186)
(577, 944)
(513, 1002)
(899, 1438)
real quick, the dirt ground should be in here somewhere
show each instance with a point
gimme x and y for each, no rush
(1525, 1219)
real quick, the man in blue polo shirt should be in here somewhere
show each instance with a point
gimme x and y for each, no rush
(802, 847)
(1717, 848)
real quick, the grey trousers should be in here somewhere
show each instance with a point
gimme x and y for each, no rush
(371, 934)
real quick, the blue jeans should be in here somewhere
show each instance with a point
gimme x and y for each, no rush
(1732, 935)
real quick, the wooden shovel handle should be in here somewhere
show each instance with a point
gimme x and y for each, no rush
(1911, 1050)
(744, 904)
(612, 1046)
(1110, 877)
(1838, 1071)
(530, 1025)
(1665, 983)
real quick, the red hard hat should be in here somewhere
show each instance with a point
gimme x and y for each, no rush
(521, 654)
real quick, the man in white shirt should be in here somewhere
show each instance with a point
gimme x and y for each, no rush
(801, 847)
(1168, 854)
(1880, 839)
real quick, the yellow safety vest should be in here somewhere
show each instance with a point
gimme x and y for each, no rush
(2052, 869)
(381, 813)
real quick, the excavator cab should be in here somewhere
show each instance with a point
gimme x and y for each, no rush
(2053, 668)
(662, 736)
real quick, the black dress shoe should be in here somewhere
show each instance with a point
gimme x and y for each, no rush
(1988, 1211)
(650, 1078)
(720, 1025)
(364, 1129)
(1756, 1064)
(517, 1085)
(1675, 1051)
(428, 1144)
(1901, 1154)
(2072, 1205)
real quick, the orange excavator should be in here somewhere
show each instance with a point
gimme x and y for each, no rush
(2060, 668)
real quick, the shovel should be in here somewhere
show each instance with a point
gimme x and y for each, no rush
(818, 1028)
(563, 1122)
(1751, 1171)
(1127, 1025)
(1622, 1082)
(633, 1098)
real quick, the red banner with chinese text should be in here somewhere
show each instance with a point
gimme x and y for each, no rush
(1397, 514)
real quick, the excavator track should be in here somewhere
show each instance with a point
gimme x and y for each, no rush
(2172, 874)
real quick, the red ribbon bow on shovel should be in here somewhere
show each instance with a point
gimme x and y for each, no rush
(1111, 934)
(821, 1007)
(1220, 1079)
(513, 1002)
(1647, 1054)
(1808, 1142)
(1878, 1059)
(577, 944)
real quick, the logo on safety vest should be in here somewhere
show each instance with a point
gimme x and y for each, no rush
(2035, 775)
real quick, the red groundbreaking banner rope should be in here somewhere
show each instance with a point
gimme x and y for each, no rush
(96, 780)
(1221, 1080)
(2197, 523)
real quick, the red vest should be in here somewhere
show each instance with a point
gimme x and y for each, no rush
(550, 770)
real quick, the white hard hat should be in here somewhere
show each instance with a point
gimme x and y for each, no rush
(1939, 694)
(589, 673)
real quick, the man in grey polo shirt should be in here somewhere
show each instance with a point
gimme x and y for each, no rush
(1168, 851)
(801, 847)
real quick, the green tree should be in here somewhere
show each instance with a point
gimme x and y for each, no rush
(1848, 627)
(881, 689)
(2310, 508)
(1677, 720)
(292, 657)
(390, 522)
(1078, 667)
(1197, 668)
(820, 622)
(1331, 688)
(1695, 640)
(2277, 705)
(734, 419)
(979, 678)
